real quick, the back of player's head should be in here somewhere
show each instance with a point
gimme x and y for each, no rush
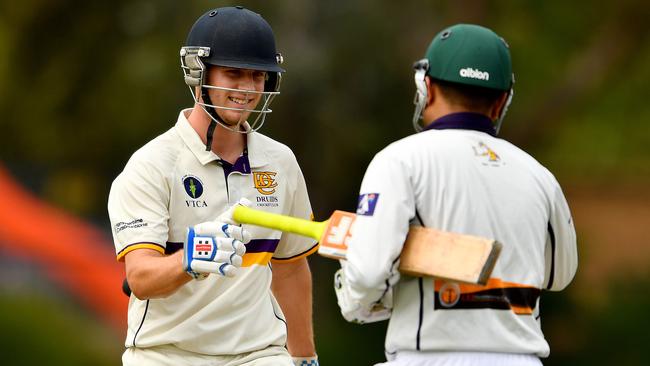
(472, 65)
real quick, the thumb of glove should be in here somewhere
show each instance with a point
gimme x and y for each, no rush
(226, 216)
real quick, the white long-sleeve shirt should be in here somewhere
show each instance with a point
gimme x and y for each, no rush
(458, 177)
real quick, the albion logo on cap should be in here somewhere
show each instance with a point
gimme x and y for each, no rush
(468, 72)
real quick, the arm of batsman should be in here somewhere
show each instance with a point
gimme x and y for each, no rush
(214, 247)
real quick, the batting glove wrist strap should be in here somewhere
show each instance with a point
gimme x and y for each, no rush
(305, 361)
(187, 259)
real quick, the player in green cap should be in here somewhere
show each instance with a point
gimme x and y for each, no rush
(456, 175)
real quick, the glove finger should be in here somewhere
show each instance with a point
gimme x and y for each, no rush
(238, 233)
(210, 228)
(224, 256)
(228, 253)
(231, 245)
(229, 270)
(239, 247)
(205, 266)
(223, 269)
(236, 260)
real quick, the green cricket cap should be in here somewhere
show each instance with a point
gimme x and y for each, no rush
(470, 54)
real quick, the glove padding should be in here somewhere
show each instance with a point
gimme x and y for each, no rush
(353, 311)
(305, 361)
(214, 247)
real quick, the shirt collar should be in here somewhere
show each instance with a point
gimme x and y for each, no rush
(464, 121)
(254, 153)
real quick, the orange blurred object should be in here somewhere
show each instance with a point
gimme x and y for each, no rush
(73, 253)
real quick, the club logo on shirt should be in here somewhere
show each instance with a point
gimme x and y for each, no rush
(265, 182)
(194, 188)
(449, 294)
(367, 203)
(489, 155)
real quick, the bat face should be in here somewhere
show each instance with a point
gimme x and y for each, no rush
(335, 238)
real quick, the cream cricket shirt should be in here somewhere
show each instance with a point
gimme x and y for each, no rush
(457, 176)
(172, 183)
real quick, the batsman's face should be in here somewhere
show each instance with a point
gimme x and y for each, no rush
(233, 78)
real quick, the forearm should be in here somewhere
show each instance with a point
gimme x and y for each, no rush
(292, 287)
(153, 275)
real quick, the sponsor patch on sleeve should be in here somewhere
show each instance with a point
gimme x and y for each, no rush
(367, 204)
(130, 225)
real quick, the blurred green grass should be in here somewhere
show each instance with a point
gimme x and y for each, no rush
(39, 329)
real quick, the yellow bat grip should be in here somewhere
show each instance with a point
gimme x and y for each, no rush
(247, 215)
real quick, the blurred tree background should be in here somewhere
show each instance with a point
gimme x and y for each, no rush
(84, 84)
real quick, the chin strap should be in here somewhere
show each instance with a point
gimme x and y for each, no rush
(213, 123)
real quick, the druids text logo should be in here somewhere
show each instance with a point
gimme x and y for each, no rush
(468, 72)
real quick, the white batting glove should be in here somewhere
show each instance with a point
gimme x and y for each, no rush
(353, 311)
(214, 247)
(305, 361)
(226, 216)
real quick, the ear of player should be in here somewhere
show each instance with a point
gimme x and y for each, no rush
(214, 247)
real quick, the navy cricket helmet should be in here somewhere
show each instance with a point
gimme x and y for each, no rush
(231, 37)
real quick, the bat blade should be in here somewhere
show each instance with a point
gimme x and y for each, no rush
(451, 256)
(427, 252)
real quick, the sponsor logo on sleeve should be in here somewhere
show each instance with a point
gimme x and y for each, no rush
(367, 204)
(129, 225)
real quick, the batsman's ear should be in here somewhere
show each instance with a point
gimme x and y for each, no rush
(431, 90)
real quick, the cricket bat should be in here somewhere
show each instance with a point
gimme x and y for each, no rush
(427, 252)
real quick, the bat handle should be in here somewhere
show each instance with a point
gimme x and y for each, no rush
(247, 215)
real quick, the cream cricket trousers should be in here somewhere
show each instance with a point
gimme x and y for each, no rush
(407, 358)
(173, 356)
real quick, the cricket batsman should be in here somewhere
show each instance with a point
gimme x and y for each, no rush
(203, 290)
(457, 175)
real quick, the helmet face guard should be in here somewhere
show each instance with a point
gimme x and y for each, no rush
(421, 95)
(194, 71)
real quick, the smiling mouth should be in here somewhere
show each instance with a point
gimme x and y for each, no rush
(239, 101)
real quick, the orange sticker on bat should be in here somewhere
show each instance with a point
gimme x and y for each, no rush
(335, 239)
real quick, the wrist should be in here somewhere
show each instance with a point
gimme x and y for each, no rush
(306, 361)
